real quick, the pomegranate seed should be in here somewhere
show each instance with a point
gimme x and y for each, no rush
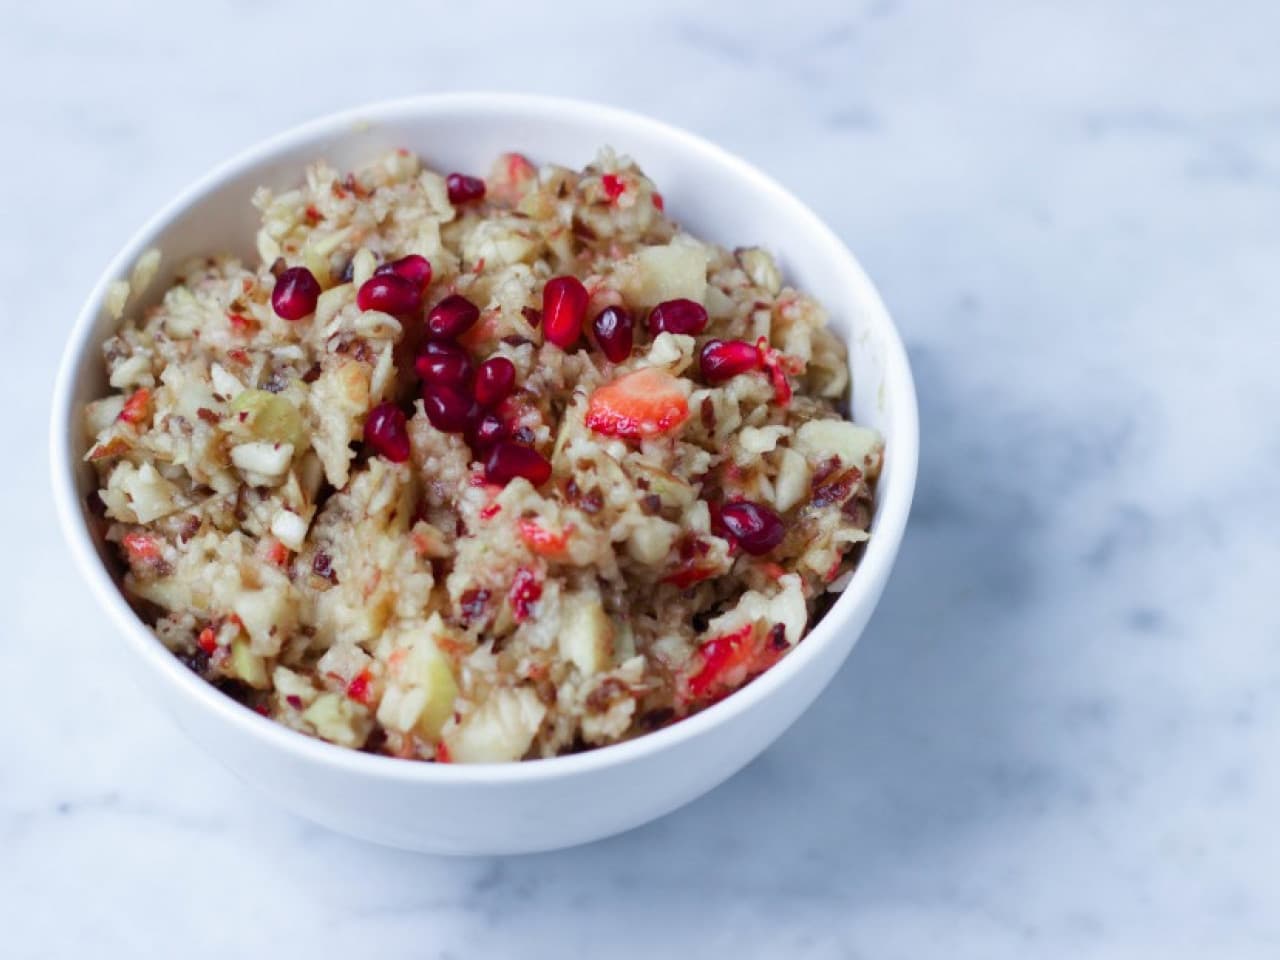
(495, 380)
(414, 268)
(614, 332)
(386, 431)
(464, 189)
(613, 185)
(564, 304)
(486, 431)
(295, 294)
(451, 317)
(509, 460)
(722, 360)
(390, 293)
(678, 316)
(755, 527)
(448, 408)
(444, 363)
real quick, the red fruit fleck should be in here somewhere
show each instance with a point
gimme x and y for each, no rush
(137, 408)
(720, 655)
(207, 641)
(678, 316)
(295, 293)
(772, 362)
(451, 317)
(508, 460)
(613, 186)
(755, 527)
(564, 304)
(389, 293)
(464, 189)
(526, 590)
(543, 541)
(312, 214)
(490, 510)
(645, 403)
(485, 432)
(658, 201)
(141, 547)
(387, 432)
(358, 688)
(415, 268)
(615, 332)
(495, 380)
(276, 552)
(723, 360)
(444, 363)
(442, 753)
(448, 408)
(238, 355)
(294, 701)
(243, 323)
(688, 573)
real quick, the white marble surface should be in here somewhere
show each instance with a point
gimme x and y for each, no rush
(1058, 737)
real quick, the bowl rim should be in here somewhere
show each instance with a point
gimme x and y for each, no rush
(894, 506)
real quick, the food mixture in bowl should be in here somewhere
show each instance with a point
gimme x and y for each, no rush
(478, 470)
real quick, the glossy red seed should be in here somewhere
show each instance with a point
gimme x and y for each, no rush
(495, 380)
(615, 331)
(444, 363)
(448, 408)
(464, 189)
(755, 527)
(295, 294)
(508, 460)
(387, 432)
(722, 360)
(486, 431)
(678, 316)
(613, 185)
(390, 293)
(451, 317)
(414, 268)
(564, 304)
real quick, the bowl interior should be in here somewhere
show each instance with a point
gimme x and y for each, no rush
(711, 193)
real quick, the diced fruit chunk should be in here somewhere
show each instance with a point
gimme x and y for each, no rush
(586, 633)
(646, 403)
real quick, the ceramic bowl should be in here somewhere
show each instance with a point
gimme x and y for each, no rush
(541, 804)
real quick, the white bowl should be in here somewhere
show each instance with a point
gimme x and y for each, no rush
(541, 804)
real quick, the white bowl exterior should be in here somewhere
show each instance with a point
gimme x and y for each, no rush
(541, 804)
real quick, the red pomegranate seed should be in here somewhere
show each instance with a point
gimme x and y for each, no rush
(295, 294)
(614, 330)
(564, 304)
(485, 432)
(495, 380)
(678, 316)
(414, 268)
(386, 431)
(451, 317)
(722, 360)
(448, 408)
(755, 527)
(390, 293)
(464, 189)
(509, 460)
(613, 185)
(444, 363)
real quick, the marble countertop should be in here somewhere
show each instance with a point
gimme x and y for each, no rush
(1057, 738)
